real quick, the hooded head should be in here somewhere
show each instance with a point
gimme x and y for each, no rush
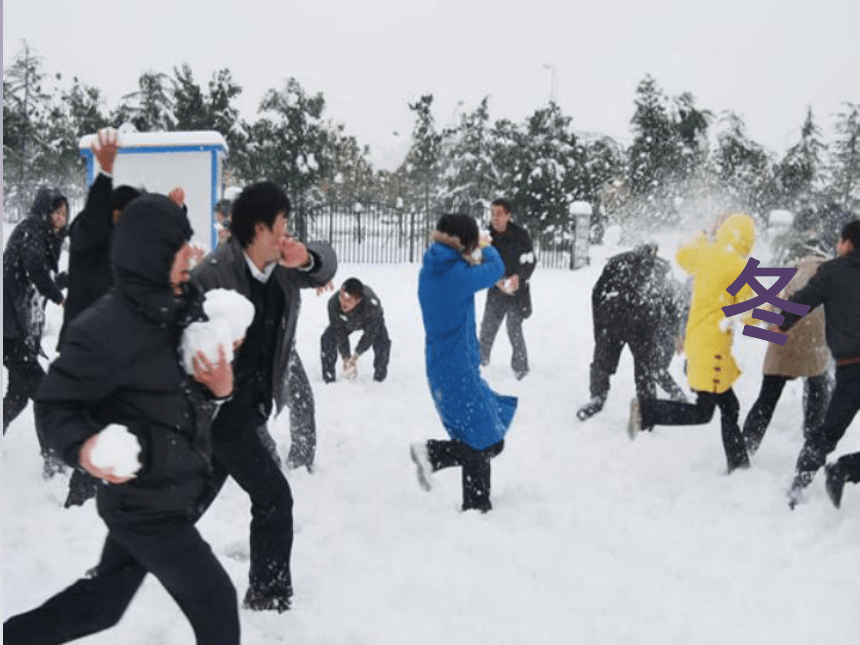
(145, 241)
(738, 232)
(42, 203)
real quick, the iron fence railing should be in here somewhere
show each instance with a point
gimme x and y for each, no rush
(376, 233)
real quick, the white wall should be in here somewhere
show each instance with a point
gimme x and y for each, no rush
(161, 172)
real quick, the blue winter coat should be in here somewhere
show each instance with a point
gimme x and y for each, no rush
(470, 411)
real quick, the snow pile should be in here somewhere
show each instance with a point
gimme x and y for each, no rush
(117, 450)
(230, 313)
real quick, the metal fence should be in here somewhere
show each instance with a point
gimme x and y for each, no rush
(376, 233)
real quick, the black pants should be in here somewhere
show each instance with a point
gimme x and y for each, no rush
(303, 429)
(816, 394)
(674, 413)
(381, 353)
(239, 451)
(476, 469)
(651, 361)
(25, 377)
(844, 404)
(173, 551)
(501, 307)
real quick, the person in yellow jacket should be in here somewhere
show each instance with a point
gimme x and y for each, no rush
(711, 368)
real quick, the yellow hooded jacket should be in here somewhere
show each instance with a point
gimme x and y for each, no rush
(714, 266)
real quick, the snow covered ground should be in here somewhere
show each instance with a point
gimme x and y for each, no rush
(593, 538)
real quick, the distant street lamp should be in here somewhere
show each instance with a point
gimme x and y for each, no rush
(553, 83)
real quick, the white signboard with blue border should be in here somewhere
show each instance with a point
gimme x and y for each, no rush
(161, 161)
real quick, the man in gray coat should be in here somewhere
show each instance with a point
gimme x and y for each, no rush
(268, 266)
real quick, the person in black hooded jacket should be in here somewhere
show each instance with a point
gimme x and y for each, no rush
(510, 298)
(30, 263)
(90, 275)
(120, 365)
(636, 303)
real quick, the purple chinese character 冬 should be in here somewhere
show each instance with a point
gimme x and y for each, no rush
(764, 295)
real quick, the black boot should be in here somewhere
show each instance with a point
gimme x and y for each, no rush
(591, 408)
(279, 601)
(834, 483)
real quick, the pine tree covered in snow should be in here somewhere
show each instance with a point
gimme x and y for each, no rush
(424, 156)
(845, 158)
(801, 171)
(743, 167)
(288, 144)
(470, 178)
(542, 170)
(189, 104)
(25, 140)
(151, 107)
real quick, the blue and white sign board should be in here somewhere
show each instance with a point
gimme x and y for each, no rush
(161, 161)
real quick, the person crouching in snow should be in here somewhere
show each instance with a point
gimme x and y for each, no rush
(711, 368)
(475, 417)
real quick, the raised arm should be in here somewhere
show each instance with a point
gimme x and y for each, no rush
(92, 226)
(484, 275)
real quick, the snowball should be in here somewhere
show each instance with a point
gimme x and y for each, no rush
(116, 450)
(232, 307)
(206, 337)
(230, 314)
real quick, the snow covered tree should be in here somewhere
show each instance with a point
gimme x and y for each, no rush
(25, 117)
(470, 178)
(224, 116)
(800, 172)
(653, 155)
(845, 168)
(743, 168)
(150, 108)
(288, 143)
(542, 171)
(350, 173)
(189, 105)
(667, 160)
(424, 156)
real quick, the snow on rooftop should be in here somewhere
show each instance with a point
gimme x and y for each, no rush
(159, 139)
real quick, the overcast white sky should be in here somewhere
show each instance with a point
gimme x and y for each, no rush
(765, 59)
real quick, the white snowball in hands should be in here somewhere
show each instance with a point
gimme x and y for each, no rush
(230, 314)
(206, 337)
(117, 450)
(232, 306)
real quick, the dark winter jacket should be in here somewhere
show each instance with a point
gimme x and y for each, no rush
(365, 317)
(90, 233)
(226, 268)
(635, 293)
(120, 365)
(836, 285)
(470, 411)
(29, 271)
(515, 247)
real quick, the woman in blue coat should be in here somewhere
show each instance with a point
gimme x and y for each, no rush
(475, 417)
